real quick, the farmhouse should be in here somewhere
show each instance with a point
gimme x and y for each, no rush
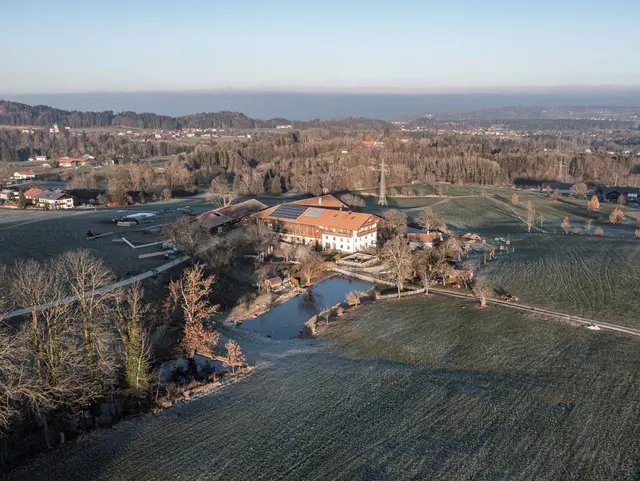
(53, 200)
(41, 158)
(68, 162)
(419, 240)
(24, 175)
(305, 222)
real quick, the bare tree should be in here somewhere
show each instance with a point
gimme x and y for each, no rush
(599, 231)
(531, 216)
(83, 276)
(622, 200)
(189, 296)
(515, 200)
(54, 342)
(235, 357)
(616, 216)
(555, 195)
(587, 225)
(353, 298)
(424, 265)
(261, 237)
(393, 224)
(141, 176)
(542, 218)
(352, 200)
(220, 193)
(178, 176)
(579, 190)
(135, 342)
(396, 254)
(452, 248)
(482, 289)
(187, 235)
(566, 226)
(309, 265)
(288, 250)
(429, 220)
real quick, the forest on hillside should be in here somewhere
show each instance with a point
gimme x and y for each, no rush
(14, 113)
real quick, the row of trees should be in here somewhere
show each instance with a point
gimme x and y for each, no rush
(312, 160)
(69, 355)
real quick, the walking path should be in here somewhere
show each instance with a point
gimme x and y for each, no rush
(522, 307)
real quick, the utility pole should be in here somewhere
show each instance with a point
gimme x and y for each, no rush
(382, 197)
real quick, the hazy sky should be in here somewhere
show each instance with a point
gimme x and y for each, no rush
(141, 45)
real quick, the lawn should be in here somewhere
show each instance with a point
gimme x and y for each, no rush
(583, 275)
(422, 389)
(482, 215)
(576, 211)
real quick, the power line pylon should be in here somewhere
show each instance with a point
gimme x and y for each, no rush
(382, 197)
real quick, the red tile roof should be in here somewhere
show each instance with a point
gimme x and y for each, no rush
(31, 193)
(25, 172)
(328, 201)
(420, 237)
(325, 218)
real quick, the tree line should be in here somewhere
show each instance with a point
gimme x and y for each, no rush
(64, 361)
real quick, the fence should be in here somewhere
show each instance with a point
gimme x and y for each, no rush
(402, 294)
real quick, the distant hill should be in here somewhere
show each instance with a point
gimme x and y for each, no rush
(15, 113)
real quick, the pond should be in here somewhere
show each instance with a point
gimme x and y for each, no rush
(286, 320)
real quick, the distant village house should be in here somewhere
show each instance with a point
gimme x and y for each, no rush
(24, 175)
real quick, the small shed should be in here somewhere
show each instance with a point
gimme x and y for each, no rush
(274, 283)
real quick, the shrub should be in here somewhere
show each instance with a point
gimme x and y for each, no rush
(599, 232)
(616, 216)
(593, 204)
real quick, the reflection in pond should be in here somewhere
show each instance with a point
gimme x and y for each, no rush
(287, 319)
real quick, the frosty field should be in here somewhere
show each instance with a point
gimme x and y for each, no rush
(422, 389)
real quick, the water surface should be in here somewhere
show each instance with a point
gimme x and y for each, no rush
(286, 320)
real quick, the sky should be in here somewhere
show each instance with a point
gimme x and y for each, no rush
(66, 46)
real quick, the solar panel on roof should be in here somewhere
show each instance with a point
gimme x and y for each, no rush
(314, 212)
(289, 211)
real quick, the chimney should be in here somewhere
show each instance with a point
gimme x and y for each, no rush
(319, 200)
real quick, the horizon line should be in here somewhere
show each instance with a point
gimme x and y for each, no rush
(364, 90)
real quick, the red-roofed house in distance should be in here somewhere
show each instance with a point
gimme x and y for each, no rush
(24, 175)
(312, 224)
(30, 194)
(69, 162)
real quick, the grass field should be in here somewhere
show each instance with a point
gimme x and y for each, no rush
(576, 211)
(41, 235)
(423, 389)
(482, 215)
(582, 275)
